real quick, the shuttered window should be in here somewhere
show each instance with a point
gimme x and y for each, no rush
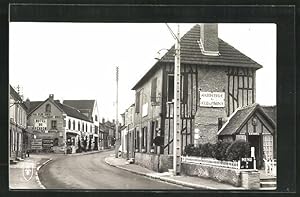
(170, 87)
(137, 102)
(153, 89)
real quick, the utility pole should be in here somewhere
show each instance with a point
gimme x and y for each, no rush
(117, 122)
(177, 127)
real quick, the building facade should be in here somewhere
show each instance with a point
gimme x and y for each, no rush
(216, 80)
(19, 136)
(90, 109)
(58, 127)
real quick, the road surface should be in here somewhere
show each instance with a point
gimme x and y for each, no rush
(91, 172)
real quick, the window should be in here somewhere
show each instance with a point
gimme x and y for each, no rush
(73, 124)
(85, 127)
(82, 126)
(153, 89)
(144, 138)
(69, 124)
(137, 102)
(96, 130)
(170, 88)
(96, 118)
(91, 129)
(48, 108)
(78, 126)
(53, 124)
(152, 132)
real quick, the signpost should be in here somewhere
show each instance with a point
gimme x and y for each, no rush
(247, 163)
(36, 144)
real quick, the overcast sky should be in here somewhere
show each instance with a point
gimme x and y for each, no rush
(78, 60)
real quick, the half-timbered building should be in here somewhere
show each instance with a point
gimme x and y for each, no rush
(216, 80)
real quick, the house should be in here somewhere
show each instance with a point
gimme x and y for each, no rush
(255, 124)
(127, 133)
(216, 79)
(90, 109)
(107, 129)
(58, 127)
(19, 136)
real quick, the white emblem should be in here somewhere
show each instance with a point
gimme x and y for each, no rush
(28, 170)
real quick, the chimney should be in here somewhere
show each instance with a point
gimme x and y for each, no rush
(51, 96)
(103, 120)
(113, 121)
(209, 42)
(27, 103)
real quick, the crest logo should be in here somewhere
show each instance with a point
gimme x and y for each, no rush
(28, 170)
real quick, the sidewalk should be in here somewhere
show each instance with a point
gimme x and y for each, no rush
(16, 171)
(16, 178)
(188, 181)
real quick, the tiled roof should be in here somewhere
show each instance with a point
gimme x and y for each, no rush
(271, 111)
(191, 54)
(73, 112)
(70, 111)
(85, 106)
(33, 105)
(238, 118)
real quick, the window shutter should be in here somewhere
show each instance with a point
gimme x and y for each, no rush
(137, 102)
(153, 89)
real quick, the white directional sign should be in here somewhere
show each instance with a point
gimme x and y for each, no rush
(212, 99)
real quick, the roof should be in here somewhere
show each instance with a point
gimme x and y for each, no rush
(239, 117)
(191, 54)
(33, 105)
(17, 97)
(271, 111)
(85, 106)
(70, 111)
(73, 112)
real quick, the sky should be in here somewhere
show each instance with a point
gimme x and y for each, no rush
(78, 60)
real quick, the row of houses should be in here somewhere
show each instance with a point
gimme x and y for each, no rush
(64, 127)
(218, 102)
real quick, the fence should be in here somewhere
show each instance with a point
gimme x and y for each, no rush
(270, 166)
(211, 162)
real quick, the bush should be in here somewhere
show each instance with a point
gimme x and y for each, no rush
(237, 150)
(207, 150)
(220, 150)
(189, 150)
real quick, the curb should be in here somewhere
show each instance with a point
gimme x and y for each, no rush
(37, 175)
(164, 179)
(87, 153)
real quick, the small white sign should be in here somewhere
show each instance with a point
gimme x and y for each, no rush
(212, 99)
(145, 110)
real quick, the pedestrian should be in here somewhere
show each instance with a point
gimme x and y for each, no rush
(27, 152)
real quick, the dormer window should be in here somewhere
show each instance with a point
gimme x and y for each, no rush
(48, 108)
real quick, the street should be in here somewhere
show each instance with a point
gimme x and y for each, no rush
(91, 172)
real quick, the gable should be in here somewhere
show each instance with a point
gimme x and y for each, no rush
(41, 109)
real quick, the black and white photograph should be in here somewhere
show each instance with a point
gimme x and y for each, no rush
(149, 106)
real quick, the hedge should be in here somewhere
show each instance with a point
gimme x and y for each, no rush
(221, 150)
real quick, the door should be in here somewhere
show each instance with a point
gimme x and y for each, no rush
(254, 141)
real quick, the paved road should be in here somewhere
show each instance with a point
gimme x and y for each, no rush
(91, 172)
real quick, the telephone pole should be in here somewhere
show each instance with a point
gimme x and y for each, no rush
(177, 127)
(117, 122)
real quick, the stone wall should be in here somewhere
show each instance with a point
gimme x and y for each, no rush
(248, 179)
(154, 162)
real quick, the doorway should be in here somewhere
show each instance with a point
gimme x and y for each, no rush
(255, 141)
